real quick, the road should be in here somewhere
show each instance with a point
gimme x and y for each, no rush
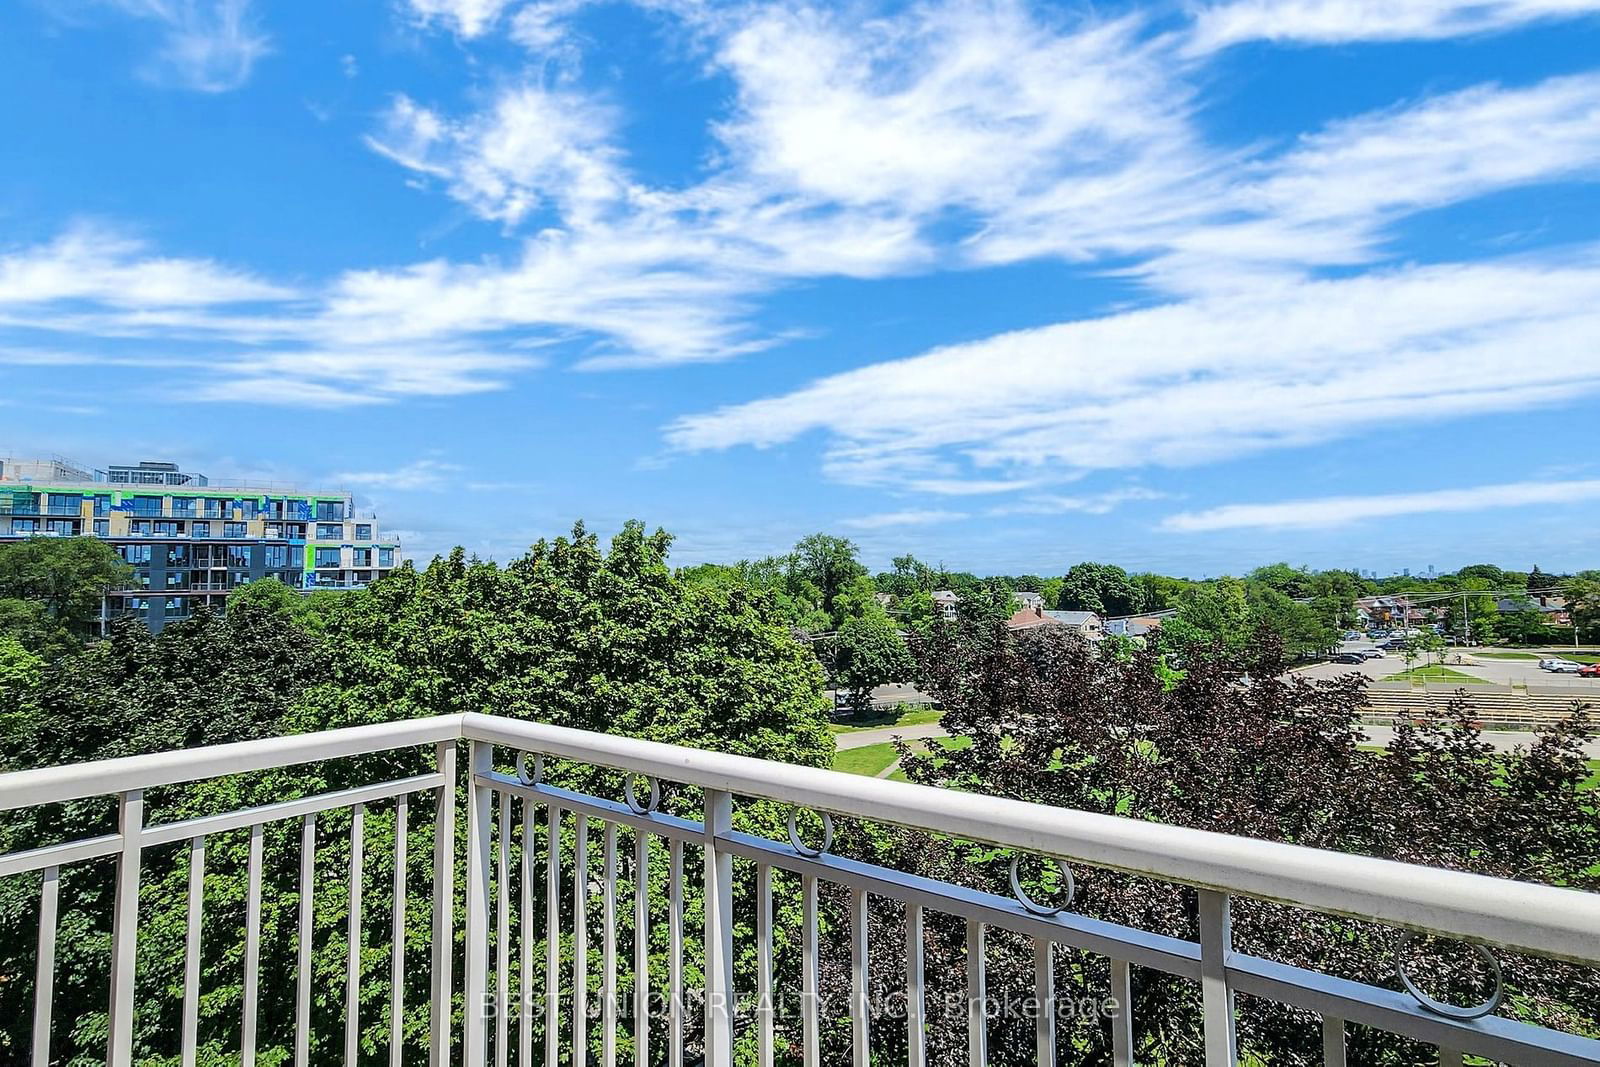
(880, 734)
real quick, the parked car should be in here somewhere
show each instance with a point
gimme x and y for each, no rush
(1350, 657)
(1560, 666)
(1590, 670)
(1371, 653)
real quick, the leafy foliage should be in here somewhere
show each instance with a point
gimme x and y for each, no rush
(569, 634)
(1237, 747)
(66, 578)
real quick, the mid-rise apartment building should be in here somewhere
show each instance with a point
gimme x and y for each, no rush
(190, 542)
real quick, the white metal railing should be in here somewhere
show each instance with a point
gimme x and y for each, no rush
(1517, 916)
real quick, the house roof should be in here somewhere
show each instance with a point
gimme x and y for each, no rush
(1028, 617)
(1073, 618)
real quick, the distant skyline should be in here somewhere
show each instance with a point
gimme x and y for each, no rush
(1188, 287)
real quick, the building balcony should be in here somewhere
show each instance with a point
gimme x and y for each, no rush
(582, 890)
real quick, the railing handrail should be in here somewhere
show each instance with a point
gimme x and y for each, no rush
(55, 785)
(1548, 920)
(1543, 919)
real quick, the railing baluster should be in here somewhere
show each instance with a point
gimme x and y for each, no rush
(1122, 1021)
(444, 905)
(608, 975)
(916, 1011)
(860, 1038)
(1044, 993)
(977, 997)
(1332, 1041)
(580, 938)
(475, 983)
(252, 947)
(397, 954)
(675, 954)
(45, 966)
(525, 936)
(764, 1005)
(810, 1029)
(125, 930)
(641, 947)
(189, 1041)
(352, 988)
(502, 932)
(302, 1008)
(718, 931)
(552, 940)
(1216, 943)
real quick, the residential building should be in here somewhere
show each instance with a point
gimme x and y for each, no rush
(1131, 626)
(1086, 623)
(1029, 600)
(189, 542)
(945, 602)
(54, 469)
(1030, 618)
(147, 472)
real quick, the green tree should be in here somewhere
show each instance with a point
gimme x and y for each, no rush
(869, 653)
(1102, 588)
(569, 634)
(1583, 602)
(826, 563)
(1211, 617)
(1301, 627)
(909, 577)
(68, 576)
(27, 622)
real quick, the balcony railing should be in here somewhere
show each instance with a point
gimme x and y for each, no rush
(582, 902)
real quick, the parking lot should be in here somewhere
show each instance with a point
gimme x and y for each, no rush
(1501, 672)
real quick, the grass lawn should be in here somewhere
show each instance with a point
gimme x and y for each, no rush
(1593, 781)
(869, 759)
(899, 715)
(1505, 655)
(1435, 673)
(874, 759)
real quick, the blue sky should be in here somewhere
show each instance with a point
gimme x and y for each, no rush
(1188, 286)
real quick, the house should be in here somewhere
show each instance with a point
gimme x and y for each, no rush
(1030, 618)
(1132, 626)
(1029, 600)
(945, 603)
(1553, 608)
(885, 600)
(1086, 623)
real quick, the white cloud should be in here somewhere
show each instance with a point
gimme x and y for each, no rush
(90, 262)
(889, 519)
(1203, 380)
(207, 45)
(1094, 504)
(535, 148)
(1339, 510)
(1219, 25)
(466, 18)
(416, 475)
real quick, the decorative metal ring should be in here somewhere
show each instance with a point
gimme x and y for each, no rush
(523, 775)
(633, 797)
(1439, 1007)
(800, 846)
(1032, 905)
